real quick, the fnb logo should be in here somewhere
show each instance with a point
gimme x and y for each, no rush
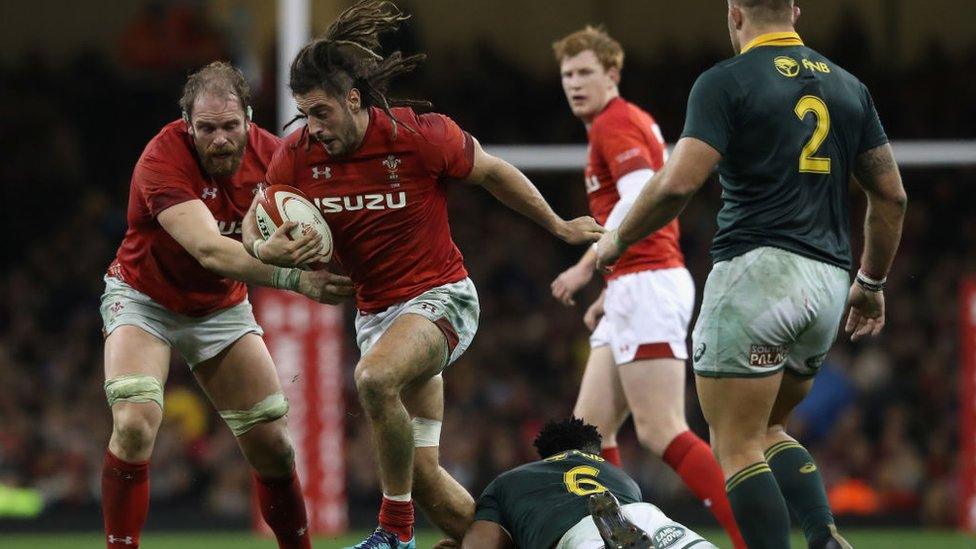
(336, 204)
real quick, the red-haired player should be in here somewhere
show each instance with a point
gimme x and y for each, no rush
(178, 282)
(640, 321)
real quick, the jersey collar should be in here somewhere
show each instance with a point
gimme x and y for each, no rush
(774, 39)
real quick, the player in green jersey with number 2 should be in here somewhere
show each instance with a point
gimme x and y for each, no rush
(788, 130)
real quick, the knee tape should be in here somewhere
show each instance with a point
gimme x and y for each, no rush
(426, 432)
(268, 410)
(133, 388)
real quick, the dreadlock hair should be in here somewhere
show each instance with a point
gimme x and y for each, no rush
(568, 434)
(348, 57)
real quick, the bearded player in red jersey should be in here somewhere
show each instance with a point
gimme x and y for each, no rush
(640, 321)
(380, 176)
(178, 281)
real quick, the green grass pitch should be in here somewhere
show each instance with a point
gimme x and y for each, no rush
(861, 539)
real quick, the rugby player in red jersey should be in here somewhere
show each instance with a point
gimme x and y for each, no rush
(178, 281)
(380, 176)
(640, 321)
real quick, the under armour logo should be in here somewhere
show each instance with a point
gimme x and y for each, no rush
(126, 540)
(326, 171)
(209, 192)
(116, 307)
(428, 307)
(301, 531)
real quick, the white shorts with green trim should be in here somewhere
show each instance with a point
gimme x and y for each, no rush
(647, 315)
(766, 310)
(453, 308)
(666, 533)
(196, 339)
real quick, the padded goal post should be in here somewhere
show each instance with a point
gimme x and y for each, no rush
(305, 340)
(967, 404)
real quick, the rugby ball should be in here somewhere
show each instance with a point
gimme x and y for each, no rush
(280, 203)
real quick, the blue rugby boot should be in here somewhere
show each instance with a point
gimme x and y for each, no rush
(381, 539)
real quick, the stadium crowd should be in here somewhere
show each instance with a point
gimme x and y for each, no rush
(881, 421)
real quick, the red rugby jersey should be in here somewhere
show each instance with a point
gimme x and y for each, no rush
(624, 138)
(386, 203)
(168, 173)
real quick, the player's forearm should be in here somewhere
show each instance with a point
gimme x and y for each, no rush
(654, 208)
(588, 261)
(512, 188)
(227, 257)
(882, 234)
(877, 173)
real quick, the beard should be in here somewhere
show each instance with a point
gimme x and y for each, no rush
(223, 161)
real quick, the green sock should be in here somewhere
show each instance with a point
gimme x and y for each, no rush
(759, 507)
(800, 482)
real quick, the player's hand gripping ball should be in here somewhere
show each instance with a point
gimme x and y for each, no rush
(280, 203)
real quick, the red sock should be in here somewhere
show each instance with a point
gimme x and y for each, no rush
(397, 517)
(611, 454)
(125, 501)
(283, 508)
(693, 460)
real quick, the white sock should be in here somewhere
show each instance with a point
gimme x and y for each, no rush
(402, 497)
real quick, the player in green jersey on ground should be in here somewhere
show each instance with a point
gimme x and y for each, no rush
(571, 499)
(788, 130)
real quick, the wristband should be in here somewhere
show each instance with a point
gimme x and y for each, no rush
(285, 279)
(254, 249)
(868, 283)
(619, 243)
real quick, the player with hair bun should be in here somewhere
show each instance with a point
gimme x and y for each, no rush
(379, 173)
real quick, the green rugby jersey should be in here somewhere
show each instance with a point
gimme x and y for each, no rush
(539, 502)
(789, 124)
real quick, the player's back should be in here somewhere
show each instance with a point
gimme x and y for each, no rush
(539, 502)
(795, 124)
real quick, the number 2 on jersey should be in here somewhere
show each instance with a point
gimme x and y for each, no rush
(808, 162)
(580, 481)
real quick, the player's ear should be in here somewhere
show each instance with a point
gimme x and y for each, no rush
(796, 13)
(354, 100)
(735, 16)
(186, 119)
(614, 74)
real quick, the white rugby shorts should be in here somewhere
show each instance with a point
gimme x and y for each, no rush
(453, 308)
(196, 339)
(665, 533)
(647, 315)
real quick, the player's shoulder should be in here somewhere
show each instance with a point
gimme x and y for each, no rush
(262, 142)
(619, 114)
(171, 145)
(432, 127)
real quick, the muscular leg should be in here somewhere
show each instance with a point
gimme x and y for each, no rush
(794, 468)
(738, 412)
(446, 503)
(125, 475)
(238, 378)
(655, 392)
(601, 400)
(411, 349)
